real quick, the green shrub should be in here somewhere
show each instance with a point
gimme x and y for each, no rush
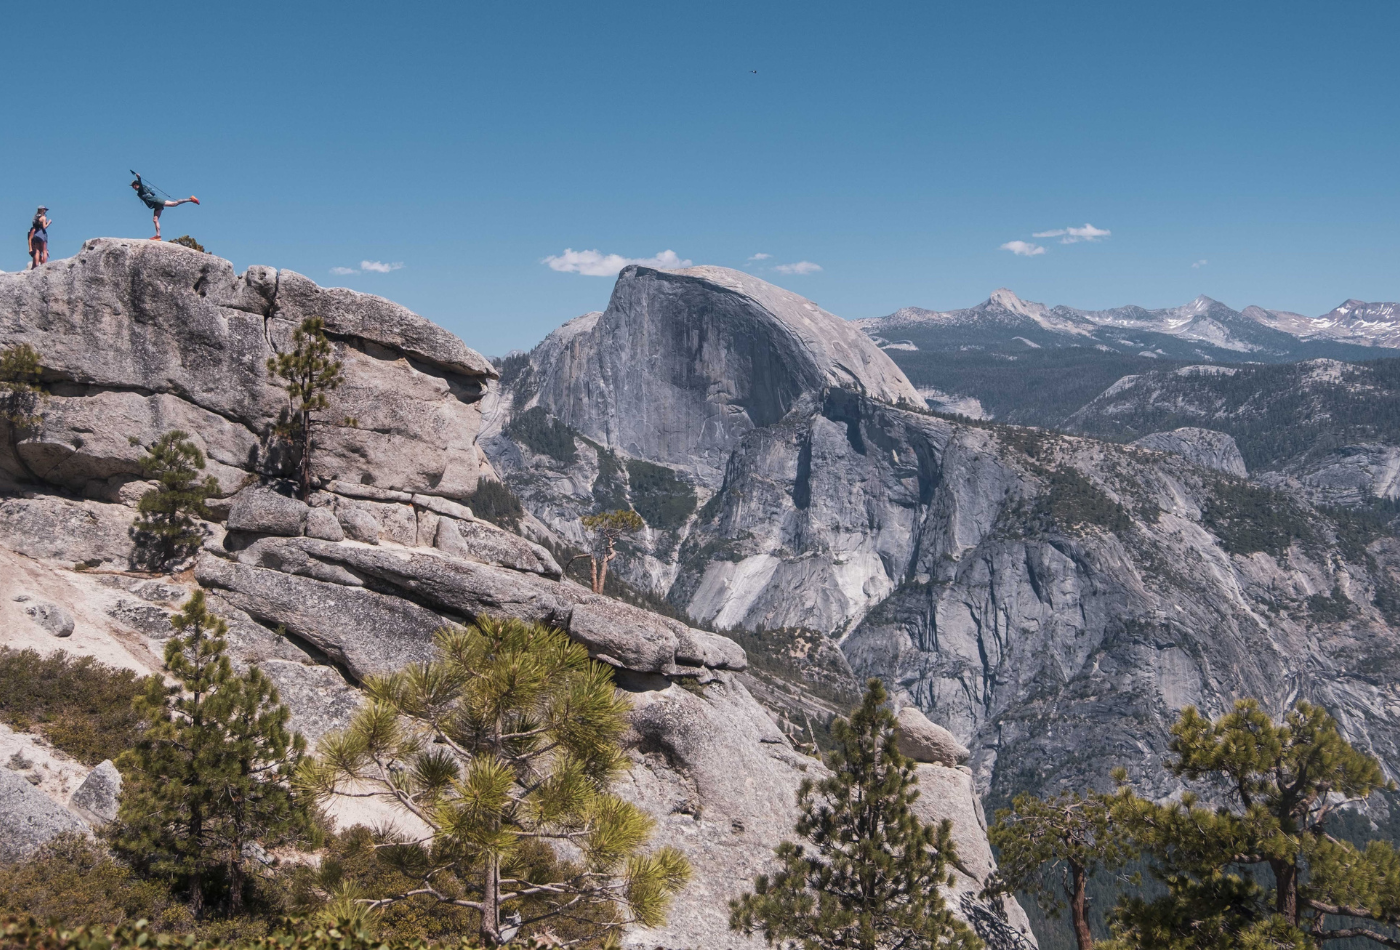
(190, 243)
(542, 433)
(20, 392)
(659, 495)
(78, 704)
(72, 881)
(349, 933)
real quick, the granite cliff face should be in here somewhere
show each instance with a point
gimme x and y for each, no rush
(137, 338)
(1053, 600)
(683, 363)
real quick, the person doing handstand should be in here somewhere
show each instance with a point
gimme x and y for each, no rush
(156, 203)
(39, 238)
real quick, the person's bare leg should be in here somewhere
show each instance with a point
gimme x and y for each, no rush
(155, 216)
(45, 254)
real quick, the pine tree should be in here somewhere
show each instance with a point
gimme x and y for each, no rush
(210, 776)
(1050, 847)
(506, 746)
(872, 875)
(168, 512)
(309, 374)
(608, 528)
(1276, 785)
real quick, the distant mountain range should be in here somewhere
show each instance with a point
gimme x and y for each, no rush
(1022, 361)
(1197, 329)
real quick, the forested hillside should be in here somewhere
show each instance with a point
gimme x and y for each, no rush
(1277, 414)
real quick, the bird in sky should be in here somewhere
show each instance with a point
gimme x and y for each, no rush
(754, 71)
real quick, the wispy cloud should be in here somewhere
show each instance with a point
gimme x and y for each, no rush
(1074, 235)
(1201, 263)
(801, 267)
(760, 256)
(597, 264)
(1023, 248)
(368, 267)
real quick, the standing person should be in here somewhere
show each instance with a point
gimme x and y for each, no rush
(39, 238)
(157, 204)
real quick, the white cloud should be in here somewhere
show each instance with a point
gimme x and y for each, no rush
(1201, 263)
(1023, 248)
(759, 257)
(1074, 235)
(801, 267)
(597, 264)
(368, 267)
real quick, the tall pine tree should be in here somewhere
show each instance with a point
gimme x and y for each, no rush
(210, 776)
(870, 876)
(166, 528)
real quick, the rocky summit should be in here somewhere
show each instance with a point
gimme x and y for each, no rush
(703, 384)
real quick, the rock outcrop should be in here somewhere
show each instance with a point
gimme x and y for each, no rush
(98, 797)
(925, 741)
(139, 337)
(30, 819)
(1206, 447)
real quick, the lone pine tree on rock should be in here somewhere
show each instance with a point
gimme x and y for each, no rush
(870, 874)
(210, 776)
(608, 528)
(1277, 785)
(505, 747)
(1050, 847)
(309, 374)
(166, 525)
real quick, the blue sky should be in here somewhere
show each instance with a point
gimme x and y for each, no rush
(896, 146)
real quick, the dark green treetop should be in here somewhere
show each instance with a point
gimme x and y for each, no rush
(210, 776)
(1276, 785)
(309, 374)
(166, 524)
(1049, 848)
(607, 528)
(870, 874)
